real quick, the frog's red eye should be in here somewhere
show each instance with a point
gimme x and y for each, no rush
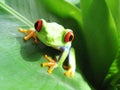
(69, 36)
(38, 25)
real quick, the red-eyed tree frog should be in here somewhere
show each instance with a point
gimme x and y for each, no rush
(57, 37)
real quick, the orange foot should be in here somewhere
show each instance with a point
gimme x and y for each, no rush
(51, 64)
(30, 34)
(69, 72)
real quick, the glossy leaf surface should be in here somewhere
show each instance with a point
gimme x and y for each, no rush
(20, 61)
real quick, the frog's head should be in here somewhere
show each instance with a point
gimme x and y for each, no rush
(53, 34)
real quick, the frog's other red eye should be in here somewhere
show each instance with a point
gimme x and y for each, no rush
(38, 25)
(69, 36)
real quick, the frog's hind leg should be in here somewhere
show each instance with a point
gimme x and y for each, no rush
(30, 34)
(70, 66)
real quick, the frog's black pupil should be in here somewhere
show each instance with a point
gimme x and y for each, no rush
(71, 37)
(36, 25)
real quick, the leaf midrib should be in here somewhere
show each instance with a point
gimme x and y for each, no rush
(16, 14)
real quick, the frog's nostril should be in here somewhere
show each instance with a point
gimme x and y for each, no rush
(38, 25)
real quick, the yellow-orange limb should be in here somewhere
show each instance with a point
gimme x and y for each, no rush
(69, 72)
(47, 64)
(51, 64)
(30, 34)
(66, 67)
(35, 38)
(49, 59)
(50, 69)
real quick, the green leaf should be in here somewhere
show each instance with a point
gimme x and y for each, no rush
(101, 38)
(113, 77)
(72, 11)
(74, 2)
(114, 6)
(20, 61)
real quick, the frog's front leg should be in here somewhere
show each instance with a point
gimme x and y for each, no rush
(30, 34)
(53, 63)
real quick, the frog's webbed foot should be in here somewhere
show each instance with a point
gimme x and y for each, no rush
(69, 71)
(30, 34)
(51, 64)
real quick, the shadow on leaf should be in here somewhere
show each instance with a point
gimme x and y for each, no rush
(33, 52)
